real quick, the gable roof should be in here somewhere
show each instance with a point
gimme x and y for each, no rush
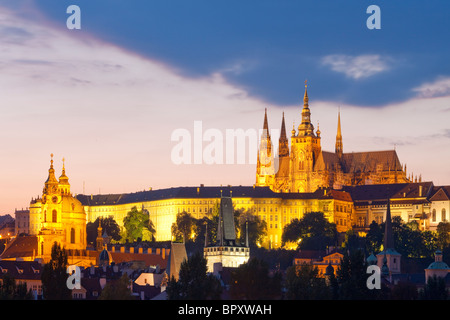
(176, 257)
(440, 193)
(21, 246)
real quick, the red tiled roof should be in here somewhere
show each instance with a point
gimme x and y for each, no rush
(24, 246)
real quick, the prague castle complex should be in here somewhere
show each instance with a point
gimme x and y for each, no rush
(351, 189)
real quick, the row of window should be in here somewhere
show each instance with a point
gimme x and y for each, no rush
(443, 215)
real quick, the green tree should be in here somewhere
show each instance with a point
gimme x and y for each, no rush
(11, 290)
(138, 226)
(443, 235)
(303, 283)
(257, 228)
(352, 278)
(184, 228)
(54, 276)
(314, 231)
(117, 289)
(411, 242)
(108, 224)
(374, 238)
(194, 283)
(252, 281)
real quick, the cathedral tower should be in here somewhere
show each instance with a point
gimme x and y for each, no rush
(265, 170)
(282, 162)
(305, 149)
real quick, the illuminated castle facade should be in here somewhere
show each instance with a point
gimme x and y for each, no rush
(305, 167)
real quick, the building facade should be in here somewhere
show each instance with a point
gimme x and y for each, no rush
(276, 209)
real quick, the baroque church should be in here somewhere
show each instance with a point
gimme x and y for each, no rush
(305, 167)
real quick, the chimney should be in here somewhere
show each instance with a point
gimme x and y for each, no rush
(420, 191)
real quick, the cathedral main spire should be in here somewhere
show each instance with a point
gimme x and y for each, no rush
(305, 97)
(306, 128)
(339, 145)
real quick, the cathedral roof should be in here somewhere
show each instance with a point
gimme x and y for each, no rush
(370, 161)
(356, 162)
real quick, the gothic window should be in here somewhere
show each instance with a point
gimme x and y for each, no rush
(54, 215)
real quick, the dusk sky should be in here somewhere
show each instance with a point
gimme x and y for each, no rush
(109, 96)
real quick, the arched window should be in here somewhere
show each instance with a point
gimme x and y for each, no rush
(443, 217)
(301, 165)
(54, 215)
(72, 235)
(433, 215)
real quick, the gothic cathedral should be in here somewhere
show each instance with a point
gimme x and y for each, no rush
(306, 167)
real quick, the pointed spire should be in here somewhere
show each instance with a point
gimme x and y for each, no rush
(305, 97)
(339, 145)
(63, 179)
(306, 128)
(388, 242)
(246, 234)
(283, 145)
(51, 184)
(339, 134)
(283, 129)
(266, 123)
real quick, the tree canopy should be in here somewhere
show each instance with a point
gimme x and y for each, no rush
(109, 225)
(54, 276)
(194, 283)
(138, 226)
(313, 232)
